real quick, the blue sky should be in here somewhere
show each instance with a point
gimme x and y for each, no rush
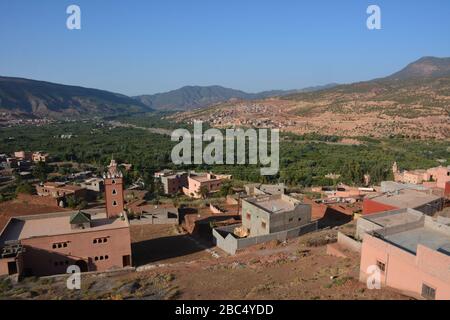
(136, 47)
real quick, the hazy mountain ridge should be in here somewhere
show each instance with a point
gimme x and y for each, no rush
(412, 102)
(192, 97)
(48, 99)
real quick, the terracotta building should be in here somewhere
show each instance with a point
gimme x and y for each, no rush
(59, 191)
(409, 252)
(47, 244)
(196, 181)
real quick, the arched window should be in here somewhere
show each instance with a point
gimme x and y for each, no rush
(114, 191)
(114, 203)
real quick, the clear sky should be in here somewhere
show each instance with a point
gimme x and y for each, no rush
(138, 47)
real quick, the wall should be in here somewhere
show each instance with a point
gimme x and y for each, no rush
(227, 242)
(348, 243)
(406, 271)
(41, 257)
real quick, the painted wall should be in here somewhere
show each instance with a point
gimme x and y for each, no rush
(405, 271)
(43, 259)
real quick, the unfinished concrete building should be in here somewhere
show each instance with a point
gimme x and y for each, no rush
(266, 218)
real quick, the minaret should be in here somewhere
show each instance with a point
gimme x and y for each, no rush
(113, 191)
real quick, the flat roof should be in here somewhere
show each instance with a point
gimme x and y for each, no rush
(273, 203)
(426, 236)
(52, 224)
(406, 198)
(394, 217)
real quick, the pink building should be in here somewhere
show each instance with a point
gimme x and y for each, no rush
(413, 257)
(47, 244)
(212, 182)
(433, 177)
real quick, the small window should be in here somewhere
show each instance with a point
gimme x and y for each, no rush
(249, 216)
(54, 246)
(101, 257)
(65, 244)
(299, 219)
(106, 257)
(96, 258)
(59, 245)
(114, 203)
(428, 292)
(105, 240)
(291, 219)
(94, 241)
(381, 266)
(99, 240)
(113, 182)
(263, 225)
(114, 191)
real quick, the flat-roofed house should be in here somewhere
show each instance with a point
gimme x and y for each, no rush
(413, 257)
(421, 201)
(46, 244)
(273, 213)
(197, 181)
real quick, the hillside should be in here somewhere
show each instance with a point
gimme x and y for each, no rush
(192, 97)
(45, 99)
(409, 103)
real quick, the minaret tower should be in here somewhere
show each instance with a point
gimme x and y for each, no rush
(113, 191)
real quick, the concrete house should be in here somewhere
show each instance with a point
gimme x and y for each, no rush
(266, 218)
(421, 201)
(410, 252)
(270, 214)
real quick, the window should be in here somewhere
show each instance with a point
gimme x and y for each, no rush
(113, 182)
(428, 292)
(381, 266)
(96, 258)
(94, 241)
(249, 216)
(299, 219)
(263, 224)
(65, 244)
(114, 203)
(106, 257)
(54, 246)
(114, 191)
(291, 219)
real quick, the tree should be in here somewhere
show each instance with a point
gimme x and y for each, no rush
(204, 191)
(41, 171)
(25, 188)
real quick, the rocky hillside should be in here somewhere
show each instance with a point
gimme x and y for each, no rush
(411, 103)
(45, 99)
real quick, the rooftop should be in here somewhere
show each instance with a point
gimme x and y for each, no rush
(394, 217)
(406, 198)
(274, 203)
(52, 224)
(426, 236)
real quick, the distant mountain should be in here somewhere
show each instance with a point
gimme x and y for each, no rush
(426, 67)
(413, 102)
(192, 97)
(39, 98)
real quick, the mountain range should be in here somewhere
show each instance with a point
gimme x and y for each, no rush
(44, 99)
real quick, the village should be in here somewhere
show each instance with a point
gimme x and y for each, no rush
(94, 221)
